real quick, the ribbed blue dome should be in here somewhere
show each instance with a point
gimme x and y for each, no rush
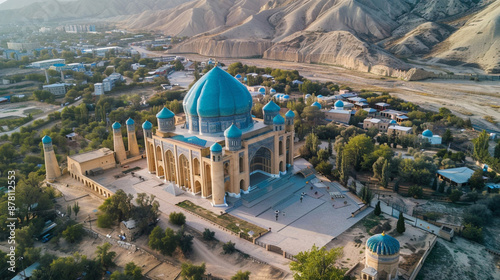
(278, 119)
(393, 122)
(272, 90)
(271, 107)
(286, 97)
(147, 125)
(216, 148)
(262, 90)
(383, 244)
(233, 132)
(130, 121)
(339, 103)
(165, 113)
(319, 96)
(316, 104)
(46, 140)
(427, 133)
(238, 76)
(217, 94)
(290, 114)
(116, 125)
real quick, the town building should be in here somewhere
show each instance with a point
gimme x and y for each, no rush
(338, 114)
(98, 89)
(110, 82)
(398, 130)
(430, 138)
(398, 116)
(22, 46)
(45, 64)
(381, 124)
(456, 176)
(56, 89)
(381, 258)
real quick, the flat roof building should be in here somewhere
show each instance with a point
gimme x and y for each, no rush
(456, 176)
(44, 64)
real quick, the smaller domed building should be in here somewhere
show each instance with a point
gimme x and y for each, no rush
(381, 258)
(432, 139)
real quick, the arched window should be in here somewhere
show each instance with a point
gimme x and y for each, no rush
(280, 148)
(196, 167)
(242, 167)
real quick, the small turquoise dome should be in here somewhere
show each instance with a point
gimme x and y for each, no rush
(217, 94)
(286, 97)
(316, 104)
(393, 122)
(319, 96)
(46, 140)
(147, 125)
(383, 244)
(278, 119)
(271, 107)
(339, 103)
(165, 113)
(273, 90)
(216, 148)
(130, 121)
(427, 133)
(262, 90)
(116, 125)
(290, 114)
(233, 132)
(238, 76)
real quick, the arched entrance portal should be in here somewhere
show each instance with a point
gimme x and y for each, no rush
(261, 160)
(208, 181)
(184, 172)
(170, 164)
(197, 187)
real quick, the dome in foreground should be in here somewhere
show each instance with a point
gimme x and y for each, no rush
(165, 113)
(217, 94)
(130, 121)
(233, 132)
(278, 119)
(290, 114)
(46, 139)
(383, 244)
(427, 133)
(147, 125)
(216, 148)
(116, 125)
(316, 104)
(339, 103)
(271, 107)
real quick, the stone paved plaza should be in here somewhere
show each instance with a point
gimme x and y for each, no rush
(315, 220)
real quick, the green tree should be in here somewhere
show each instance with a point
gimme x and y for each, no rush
(415, 191)
(330, 147)
(133, 270)
(192, 272)
(447, 137)
(455, 195)
(344, 169)
(76, 209)
(496, 154)
(442, 185)
(476, 181)
(240, 275)
(356, 148)
(377, 210)
(481, 144)
(365, 194)
(104, 256)
(73, 233)
(178, 65)
(385, 174)
(184, 241)
(229, 247)
(317, 264)
(208, 235)
(473, 233)
(396, 186)
(325, 168)
(105, 220)
(401, 227)
(118, 206)
(435, 184)
(473, 196)
(177, 218)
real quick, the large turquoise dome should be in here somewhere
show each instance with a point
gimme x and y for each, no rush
(217, 94)
(427, 133)
(383, 244)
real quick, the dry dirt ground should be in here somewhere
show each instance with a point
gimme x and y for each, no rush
(465, 98)
(217, 263)
(414, 242)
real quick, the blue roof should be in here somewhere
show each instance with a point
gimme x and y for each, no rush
(217, 94)
(339, 103)
(319, 96)
(116, 125)
(427, 133)
(46, 140)
(191, 140)
(147, 125)
(233, 132)
(262, 90)
(216, 148)
(278, 119)
(383, 244)
(286, 97)
(272, 90)
(290, 114)
(308, 95)
(393, 122)
(271, 107)
(165, 113)
(130, 121)
(316, 104)
(238, 76)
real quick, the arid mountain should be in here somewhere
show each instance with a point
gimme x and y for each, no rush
(367, 35)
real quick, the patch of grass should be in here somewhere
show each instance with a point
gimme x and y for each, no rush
(227, 221)
(33, 111)
(490, 119)
(371, 221)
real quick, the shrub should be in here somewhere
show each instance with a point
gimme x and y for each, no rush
(177, 218)
(73, 233)
(104, 221)
(229, 247)
(208, 235)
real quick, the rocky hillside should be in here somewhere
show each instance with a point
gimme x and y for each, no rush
(367, 35)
